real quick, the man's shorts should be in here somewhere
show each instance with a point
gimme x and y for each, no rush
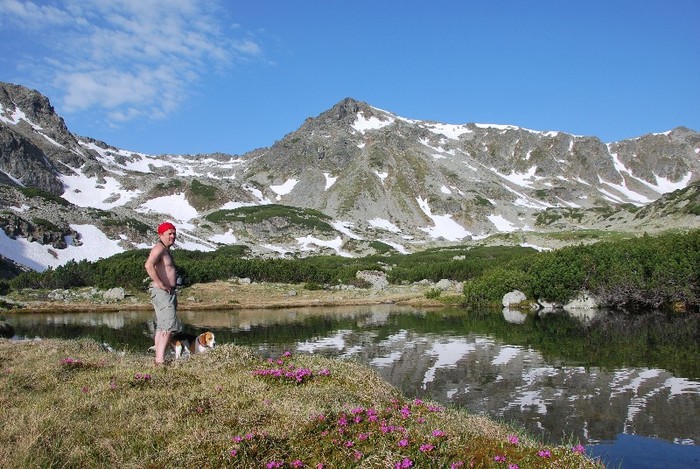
(165, 305)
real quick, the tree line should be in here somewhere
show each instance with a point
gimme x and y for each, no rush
(643, 272)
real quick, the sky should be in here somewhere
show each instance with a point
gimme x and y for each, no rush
(192, 77)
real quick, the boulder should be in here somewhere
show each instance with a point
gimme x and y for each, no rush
(376, 278)
(514, 297)
(444, 284)
(114, 294)
(584, 300)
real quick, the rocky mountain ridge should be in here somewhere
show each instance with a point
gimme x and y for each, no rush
(352, 181)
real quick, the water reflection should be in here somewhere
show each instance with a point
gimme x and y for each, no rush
(555, 375)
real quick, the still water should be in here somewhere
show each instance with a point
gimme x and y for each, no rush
(617, 384)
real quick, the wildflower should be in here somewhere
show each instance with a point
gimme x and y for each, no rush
(249, 436)
(287, 354)
(403, 443)
(405, 412)
(297, 463)
(358, 455)
(237, 439)
(349, 444)
(580, 449)
(363, 436)
(456, 465)
(545, 453)
(513, 439)
(234, 453)
(324, 372)
(513, 466)
(500, 458)
(438, 433)
(320, 465)
(404, 463)
(85, 389)
(418, 402)
(426, 448)
(274, 464)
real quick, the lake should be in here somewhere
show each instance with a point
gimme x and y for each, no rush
(626, 386)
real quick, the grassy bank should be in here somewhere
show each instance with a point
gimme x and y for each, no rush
(71, 404)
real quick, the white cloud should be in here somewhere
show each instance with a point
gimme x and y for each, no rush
(126, 58)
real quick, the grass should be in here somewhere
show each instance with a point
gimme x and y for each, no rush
(70, 404)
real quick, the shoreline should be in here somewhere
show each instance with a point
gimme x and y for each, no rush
(226, 295)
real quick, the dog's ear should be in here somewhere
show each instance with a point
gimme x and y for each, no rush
(206, 338)
(203, 338)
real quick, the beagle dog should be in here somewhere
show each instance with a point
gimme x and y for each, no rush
(183, 345)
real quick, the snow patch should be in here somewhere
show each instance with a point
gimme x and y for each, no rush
(94, 245)
(362, 124)
(330, 180)
(285, 188)
(175, 206)
(383, 224)
(445, 227)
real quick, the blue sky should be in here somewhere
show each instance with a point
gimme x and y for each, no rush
(198, 76)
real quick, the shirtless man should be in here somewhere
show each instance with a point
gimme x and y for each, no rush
(161, 269)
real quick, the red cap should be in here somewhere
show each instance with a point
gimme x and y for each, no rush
(163, 227)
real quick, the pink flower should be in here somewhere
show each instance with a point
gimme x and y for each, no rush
(363, 436)
(426, 448)
(513, 439)
(234, 452)
(349, 444)
(85, 389)
(274, 464)
(358, 455)
(403, 443)
(580, 449)
(500, 458)
(456, 465)
(287, 354)
(513, 466)
(438, 433)
(404, 463)
(297, 463)
(545, 453)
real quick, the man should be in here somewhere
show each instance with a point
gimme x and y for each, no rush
(161, 268)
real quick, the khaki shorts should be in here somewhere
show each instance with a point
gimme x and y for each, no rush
(165, 305)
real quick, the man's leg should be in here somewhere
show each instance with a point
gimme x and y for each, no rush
(161, 339)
